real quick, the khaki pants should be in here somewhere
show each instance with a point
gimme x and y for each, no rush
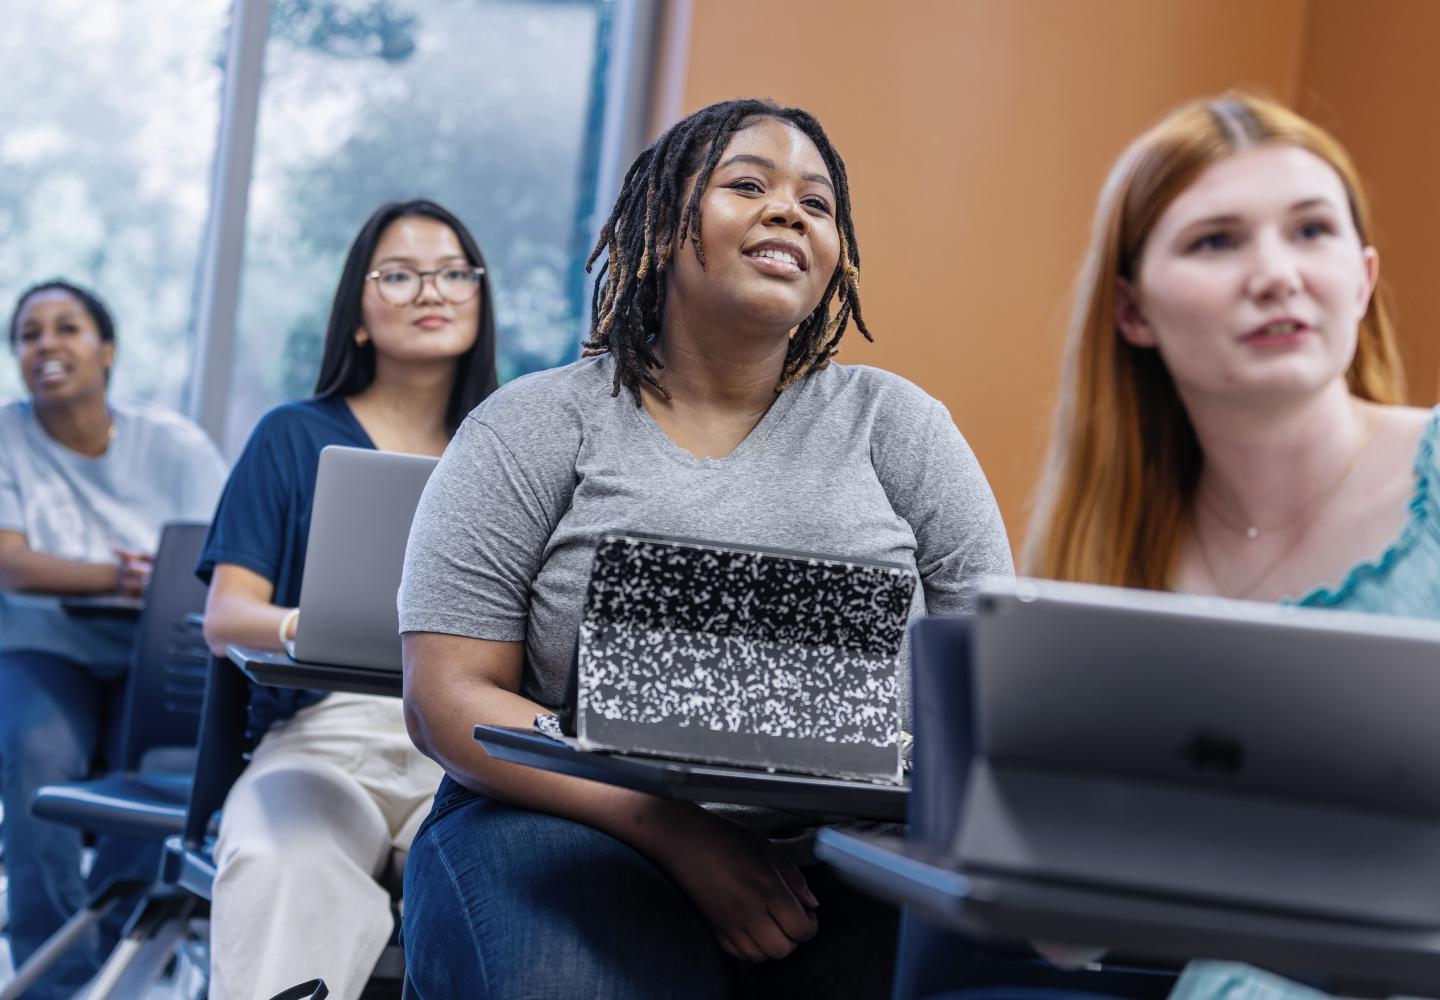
(331, 800)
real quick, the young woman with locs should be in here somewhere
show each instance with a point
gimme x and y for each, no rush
(708, 406)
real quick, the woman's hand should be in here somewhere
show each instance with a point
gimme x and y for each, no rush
(754, 898)
(22, 569)
(132, 572)
(1069, 956)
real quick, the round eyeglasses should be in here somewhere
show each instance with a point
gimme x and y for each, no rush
(402, 286)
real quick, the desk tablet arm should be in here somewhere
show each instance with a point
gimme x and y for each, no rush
(876, 866)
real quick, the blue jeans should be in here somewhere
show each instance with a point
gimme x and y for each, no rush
(503, 903)
(54, 716)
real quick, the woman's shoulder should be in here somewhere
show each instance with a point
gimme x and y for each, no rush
(869, 381)
(307, 425)
(163, 426)
(533, 425)
(551, 401)
(286, 441)
(540, 390)
(13, 412)
(1428, 419)
(1417, 418)
(299, 414)
(1410, 438)
(887, 402)
(1427, 453)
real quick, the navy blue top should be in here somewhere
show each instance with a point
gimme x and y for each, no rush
(263, 521)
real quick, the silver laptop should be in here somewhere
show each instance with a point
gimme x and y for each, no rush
(359, 524)
(1275, 758)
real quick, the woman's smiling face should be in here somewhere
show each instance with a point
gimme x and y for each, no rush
(58, 345)
(767, 224)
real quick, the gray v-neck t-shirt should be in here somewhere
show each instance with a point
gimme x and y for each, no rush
(852, 461)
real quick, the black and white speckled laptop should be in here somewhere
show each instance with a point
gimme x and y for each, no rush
(737, 655)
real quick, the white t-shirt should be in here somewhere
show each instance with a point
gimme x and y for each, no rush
(159, 467)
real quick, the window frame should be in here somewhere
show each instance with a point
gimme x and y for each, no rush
(628, 49)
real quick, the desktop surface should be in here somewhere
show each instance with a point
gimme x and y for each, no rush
(1368, 959)
(696, 782)
(273, 668)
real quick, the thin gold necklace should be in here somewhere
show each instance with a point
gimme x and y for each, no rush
(1253, 531)
(1300, 521)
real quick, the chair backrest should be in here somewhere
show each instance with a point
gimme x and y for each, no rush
(943, 726)
(167, 668)
(933, 959)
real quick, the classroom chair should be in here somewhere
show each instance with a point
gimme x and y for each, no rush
(144, 799)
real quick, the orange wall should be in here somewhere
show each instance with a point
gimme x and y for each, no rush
(1369, 75)
(976, 134)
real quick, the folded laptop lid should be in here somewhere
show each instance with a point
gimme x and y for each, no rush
(1271, 756)
(359, 524)
(739, 655)
(1330, 705)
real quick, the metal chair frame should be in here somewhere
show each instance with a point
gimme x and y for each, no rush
(146, 796)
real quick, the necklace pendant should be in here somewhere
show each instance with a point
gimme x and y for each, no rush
(1252, 532)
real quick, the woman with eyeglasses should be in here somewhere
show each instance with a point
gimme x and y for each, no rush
(334, 787)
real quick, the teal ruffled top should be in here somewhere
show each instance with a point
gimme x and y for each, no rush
(1405, 579)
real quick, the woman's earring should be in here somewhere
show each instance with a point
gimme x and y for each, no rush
(361, 338)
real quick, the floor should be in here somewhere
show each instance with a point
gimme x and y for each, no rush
(185, 980)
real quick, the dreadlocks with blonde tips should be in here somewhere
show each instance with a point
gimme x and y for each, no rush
(649, 221)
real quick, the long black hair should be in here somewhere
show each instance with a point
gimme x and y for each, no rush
(89, 301)
(649, 220)
(347, 368)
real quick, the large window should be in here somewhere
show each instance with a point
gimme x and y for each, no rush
(120, 170)
(107, 130)
(489, 107)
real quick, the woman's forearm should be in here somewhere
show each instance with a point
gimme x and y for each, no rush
(441, 725)
(22, 569)
(241, 620)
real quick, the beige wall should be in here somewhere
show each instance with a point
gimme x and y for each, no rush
(977, 133)
(1369, 75)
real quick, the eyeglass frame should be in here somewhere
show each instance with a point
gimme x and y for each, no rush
(474, 269)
